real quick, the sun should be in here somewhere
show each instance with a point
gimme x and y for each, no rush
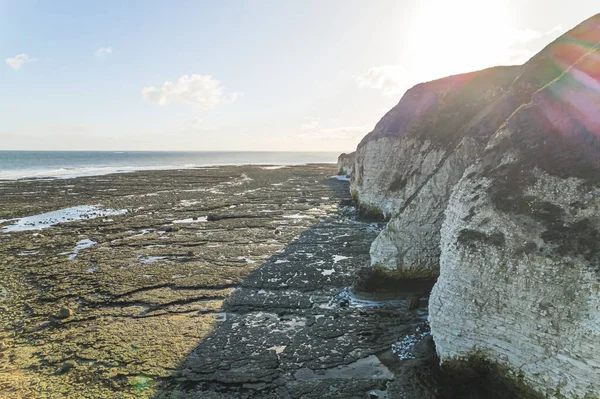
(458, 36)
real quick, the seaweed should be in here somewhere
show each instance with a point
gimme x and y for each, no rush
(477, 377)
(371, 213)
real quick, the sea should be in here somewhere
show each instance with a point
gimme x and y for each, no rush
(68, 164)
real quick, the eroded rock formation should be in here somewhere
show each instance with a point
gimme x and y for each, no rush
(406, 168)
(492, 179)
(520, 264)
(408, 165)
(346, 164)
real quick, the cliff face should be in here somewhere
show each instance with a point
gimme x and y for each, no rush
(407, 166)
(495, 177)
(520, 263)
(413, 139)
(346, 164)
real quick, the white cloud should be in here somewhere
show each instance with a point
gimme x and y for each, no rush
(524, 43)
(391, 79)
(202, 91)
(103, 51)
(556, 31)
(19, 60)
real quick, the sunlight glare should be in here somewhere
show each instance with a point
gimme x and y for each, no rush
(462, 36)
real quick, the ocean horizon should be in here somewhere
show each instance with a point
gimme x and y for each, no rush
(70, 164)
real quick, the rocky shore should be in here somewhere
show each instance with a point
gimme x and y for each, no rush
(226, 282)
(287, 282)
(293, 329)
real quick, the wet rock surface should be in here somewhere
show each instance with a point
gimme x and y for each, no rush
(293, 329)
(131, 304)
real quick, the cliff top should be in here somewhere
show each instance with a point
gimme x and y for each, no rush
(478, 103)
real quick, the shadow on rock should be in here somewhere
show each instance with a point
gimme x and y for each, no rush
(284, 333)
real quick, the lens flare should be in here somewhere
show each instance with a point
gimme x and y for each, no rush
(571, 102)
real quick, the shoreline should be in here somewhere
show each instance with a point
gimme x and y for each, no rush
(71, 164)
(40, 176)
(126, 298)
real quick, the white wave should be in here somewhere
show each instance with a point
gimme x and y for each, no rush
(70, 173)
(274, 167)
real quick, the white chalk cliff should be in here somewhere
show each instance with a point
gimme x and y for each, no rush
(492, 180)
(408, 165)
(346, 164)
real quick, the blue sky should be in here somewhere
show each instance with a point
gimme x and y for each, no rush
(245, 75)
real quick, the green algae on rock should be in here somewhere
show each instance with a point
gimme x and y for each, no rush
(118, 318)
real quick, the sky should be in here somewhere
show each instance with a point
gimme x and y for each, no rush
(243, 75)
